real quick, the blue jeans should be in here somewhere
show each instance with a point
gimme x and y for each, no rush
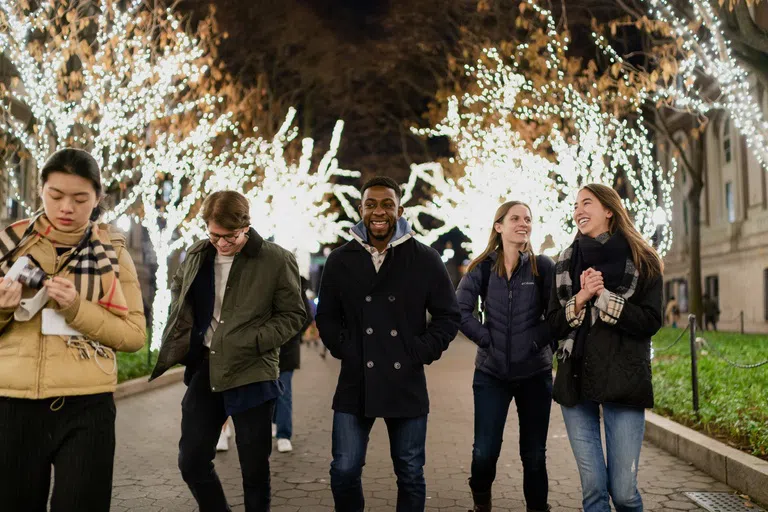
(407, 437)
(534, 402)
(624, 430)
(283, 416)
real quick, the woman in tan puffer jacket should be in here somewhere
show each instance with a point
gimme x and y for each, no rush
(57, 377)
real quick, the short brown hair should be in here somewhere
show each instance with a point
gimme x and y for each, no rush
(228, 209)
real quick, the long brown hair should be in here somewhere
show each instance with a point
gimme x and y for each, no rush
(495, 244)
(645, 257)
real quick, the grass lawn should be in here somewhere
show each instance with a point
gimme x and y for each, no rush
(733, 403)
(133, 365)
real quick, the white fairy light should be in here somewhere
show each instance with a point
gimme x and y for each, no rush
(291, 202)
(499, 166)
(706, 53)
(127, 82)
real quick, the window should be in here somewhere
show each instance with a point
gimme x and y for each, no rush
(682, 294)
(729, 204)
(712, 287)
(727, 142)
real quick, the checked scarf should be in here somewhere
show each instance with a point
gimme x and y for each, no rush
(611, 255)
(93, 264)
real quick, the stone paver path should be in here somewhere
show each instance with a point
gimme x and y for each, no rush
(147, 478)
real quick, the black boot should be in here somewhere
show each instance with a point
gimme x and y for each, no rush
(529, 509)
(482, 501)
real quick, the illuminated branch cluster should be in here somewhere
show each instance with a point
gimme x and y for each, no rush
(583, 143)
(95, 76)
(290, 201)
(701, 54)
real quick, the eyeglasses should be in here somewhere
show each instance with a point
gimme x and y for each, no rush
(230, 239)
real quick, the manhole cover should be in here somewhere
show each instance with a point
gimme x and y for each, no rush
(722, 502)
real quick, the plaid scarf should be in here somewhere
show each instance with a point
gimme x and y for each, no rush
(568, 271)
(93, 262)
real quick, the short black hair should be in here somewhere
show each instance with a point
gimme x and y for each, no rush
(382, 181)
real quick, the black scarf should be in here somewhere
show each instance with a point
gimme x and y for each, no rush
(609, 254)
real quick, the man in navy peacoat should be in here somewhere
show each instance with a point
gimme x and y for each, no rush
(374, 297)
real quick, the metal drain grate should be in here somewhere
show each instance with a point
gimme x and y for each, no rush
(722, 502)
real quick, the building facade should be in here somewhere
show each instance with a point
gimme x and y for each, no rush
(734, 225)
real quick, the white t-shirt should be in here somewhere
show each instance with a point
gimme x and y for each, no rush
(221, 267)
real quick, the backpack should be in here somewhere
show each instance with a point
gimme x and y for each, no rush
(485, 277)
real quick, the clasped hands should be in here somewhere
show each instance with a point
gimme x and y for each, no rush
(592, 285)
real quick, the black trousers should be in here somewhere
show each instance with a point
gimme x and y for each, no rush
(202, 416)
(75, 434)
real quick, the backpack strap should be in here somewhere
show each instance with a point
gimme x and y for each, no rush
(485, 277)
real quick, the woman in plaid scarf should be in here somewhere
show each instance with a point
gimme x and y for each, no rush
(57, 375)
(605, 307)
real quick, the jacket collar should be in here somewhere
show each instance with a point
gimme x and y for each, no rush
(524, 257)
(251, 248)
(403, 233)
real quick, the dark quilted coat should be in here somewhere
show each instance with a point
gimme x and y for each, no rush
(514, 342)
(616, 367)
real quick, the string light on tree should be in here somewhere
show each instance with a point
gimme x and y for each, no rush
(583, 144)
(96, 80)
(291, 201)
(701, 53)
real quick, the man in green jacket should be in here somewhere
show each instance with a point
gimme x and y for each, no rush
(235, 300)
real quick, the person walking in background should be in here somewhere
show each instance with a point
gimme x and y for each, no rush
(236, 299)
(290, 360)
(58, 369)
(605, 307)
(711, 312)
(375, 294)
(672, 312)
(514, 352)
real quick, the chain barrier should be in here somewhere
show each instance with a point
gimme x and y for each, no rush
(674, 342)
(722, 356)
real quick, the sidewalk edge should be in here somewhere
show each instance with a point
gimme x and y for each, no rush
(743, 472)
(140, 384)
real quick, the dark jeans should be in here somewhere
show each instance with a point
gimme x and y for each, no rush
(407, 437)
(534, 401)
(77, 438)
(283, 417)
(202, 415)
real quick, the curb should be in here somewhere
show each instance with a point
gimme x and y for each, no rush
(743, 472)
(140, 384)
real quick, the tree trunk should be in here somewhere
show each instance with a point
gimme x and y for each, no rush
(695, 305)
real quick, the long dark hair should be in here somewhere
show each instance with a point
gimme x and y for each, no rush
(76, 162)
(495, 244)
(645, 257)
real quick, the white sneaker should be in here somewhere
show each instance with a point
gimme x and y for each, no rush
(284, 445)
(223, 444)
(274, 430)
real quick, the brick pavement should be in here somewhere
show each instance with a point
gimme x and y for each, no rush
(147, 478)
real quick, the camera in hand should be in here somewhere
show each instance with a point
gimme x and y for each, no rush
(27, 272)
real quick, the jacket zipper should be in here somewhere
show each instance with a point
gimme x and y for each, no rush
(41, 352)
(509, 326)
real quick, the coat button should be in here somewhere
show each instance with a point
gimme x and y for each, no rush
(391, 298)
(369, 330)
(368, 298)
(393, 333)
(397, 365)
(213, 388)
(369, 364)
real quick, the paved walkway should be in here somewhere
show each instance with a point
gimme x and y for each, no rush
(147, 478)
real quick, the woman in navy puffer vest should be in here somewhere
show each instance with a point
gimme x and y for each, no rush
(514, 355)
